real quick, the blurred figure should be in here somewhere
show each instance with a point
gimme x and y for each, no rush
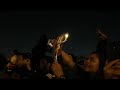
(19, 65)
(44, 69)
(39, 52)
(3, 63)
(109, 54)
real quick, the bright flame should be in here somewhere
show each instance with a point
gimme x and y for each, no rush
(66, 35)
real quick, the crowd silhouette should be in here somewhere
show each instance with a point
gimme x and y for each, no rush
(103, 63)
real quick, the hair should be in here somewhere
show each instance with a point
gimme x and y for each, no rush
(95, 52)
(102, 61)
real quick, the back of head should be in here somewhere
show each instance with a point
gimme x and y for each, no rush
(3, 62)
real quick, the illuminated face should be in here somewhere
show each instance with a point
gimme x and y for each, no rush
(13, 59)
(92, 63)
(12, 62)
(16, 60)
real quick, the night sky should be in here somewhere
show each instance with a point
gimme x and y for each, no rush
(21, 29)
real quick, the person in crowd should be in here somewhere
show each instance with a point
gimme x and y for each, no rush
(44, 69)
(19, 66)
(3, 63)
(95, 66)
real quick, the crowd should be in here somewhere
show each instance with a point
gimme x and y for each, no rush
(103, 63)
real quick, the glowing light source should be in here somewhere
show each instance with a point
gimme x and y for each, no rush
(66, 36)
(63, 38)
(60, 39)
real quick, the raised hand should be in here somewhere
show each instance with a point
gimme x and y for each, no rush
(101, 34)
(57, 69)
(112, 69)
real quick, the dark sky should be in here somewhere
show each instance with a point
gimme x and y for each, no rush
(22, 29)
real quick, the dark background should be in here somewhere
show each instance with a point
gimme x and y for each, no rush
(21, 29)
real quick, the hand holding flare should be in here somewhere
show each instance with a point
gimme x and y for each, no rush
(56, 44)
